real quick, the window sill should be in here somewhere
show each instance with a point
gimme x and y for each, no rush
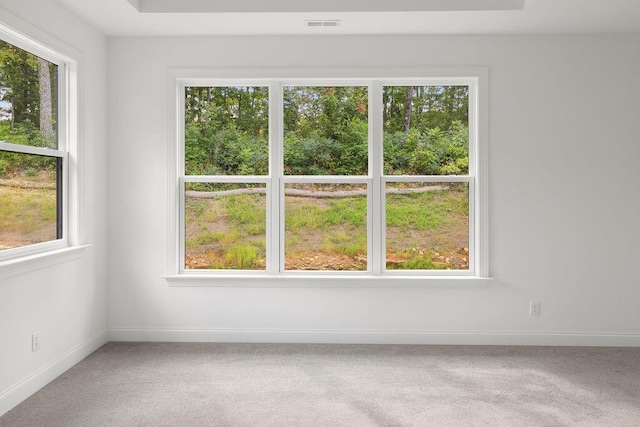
(324, 281)
(29, 263)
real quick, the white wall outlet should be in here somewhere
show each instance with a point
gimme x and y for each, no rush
(534, 308)
(35, 342)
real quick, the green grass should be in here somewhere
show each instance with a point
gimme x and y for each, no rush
(427, 231)
(332, 227)
(229, 232)
(345, 244)
(415, 263)
(243, 210)
(242, 256)
(27, 216)
(205, 238)
(425, 210)
(306, 214)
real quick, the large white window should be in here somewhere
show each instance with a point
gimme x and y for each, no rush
(36, 140)
(329, 177)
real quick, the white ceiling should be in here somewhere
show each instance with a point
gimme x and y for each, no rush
(248, 17)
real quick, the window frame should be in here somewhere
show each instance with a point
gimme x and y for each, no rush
(30, 39)
(374, 80)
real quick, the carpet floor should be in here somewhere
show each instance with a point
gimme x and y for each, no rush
(201, 384)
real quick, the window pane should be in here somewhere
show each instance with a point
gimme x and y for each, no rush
(325, 130)
(325, 227)
(426, 130)
(227, 130)
(28, 200)
(427, 226)
(28, 98)
(225, 226)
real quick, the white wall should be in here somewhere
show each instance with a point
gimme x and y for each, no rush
(65, 302)
(563, 198)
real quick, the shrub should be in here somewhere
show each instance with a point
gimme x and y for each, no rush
(227, 152)
(417, 152)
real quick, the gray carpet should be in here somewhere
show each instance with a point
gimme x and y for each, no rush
(159, 384)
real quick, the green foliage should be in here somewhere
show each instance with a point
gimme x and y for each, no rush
(326, 131)
(226, 131)
(18, 72)
(20, 94)
(431, 107)
(228, 152)
(20, 133)
(15, 164)
(318, 155)
(20, 105)
(428, 152)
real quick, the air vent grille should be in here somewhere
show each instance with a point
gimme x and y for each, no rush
(323, 24)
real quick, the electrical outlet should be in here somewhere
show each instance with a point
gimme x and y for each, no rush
(35, 342)
(534, 308)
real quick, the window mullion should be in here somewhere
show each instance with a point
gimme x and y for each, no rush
(376, 203)
(275, 210)
(180, 167)
(472, 227)
(181, 224)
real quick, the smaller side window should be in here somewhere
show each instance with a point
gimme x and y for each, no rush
(32, 158)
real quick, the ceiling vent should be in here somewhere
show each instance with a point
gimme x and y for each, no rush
(333, 23)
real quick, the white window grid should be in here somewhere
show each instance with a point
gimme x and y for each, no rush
(375, 181)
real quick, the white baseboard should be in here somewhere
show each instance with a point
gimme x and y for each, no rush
(43, 376)
(377, 337)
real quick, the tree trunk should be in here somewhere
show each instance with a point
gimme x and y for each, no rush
(223, 112)
(313, 194)
(406, 123)
(385, 109)
(46, 107)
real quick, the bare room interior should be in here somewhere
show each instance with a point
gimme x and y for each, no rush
(284, 213)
